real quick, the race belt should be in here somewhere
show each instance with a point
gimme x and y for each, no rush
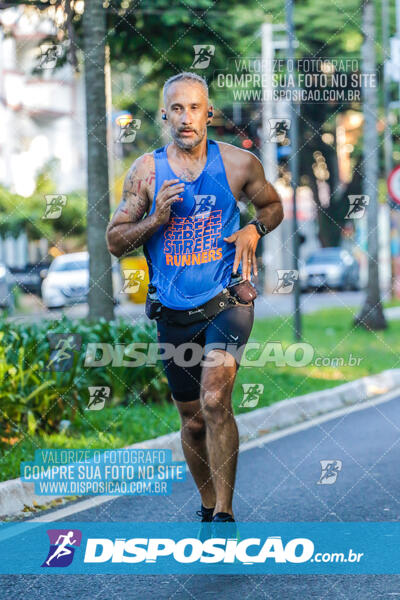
(242, 294)
(206, 311)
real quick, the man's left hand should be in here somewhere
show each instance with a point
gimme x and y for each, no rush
(246, 241)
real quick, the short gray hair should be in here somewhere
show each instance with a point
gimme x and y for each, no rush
(185, 76)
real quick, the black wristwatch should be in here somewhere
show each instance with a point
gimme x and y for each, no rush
(261, 228)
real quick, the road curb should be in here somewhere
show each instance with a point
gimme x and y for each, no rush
(15, 494)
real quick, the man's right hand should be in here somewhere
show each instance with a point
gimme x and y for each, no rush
(169, 192)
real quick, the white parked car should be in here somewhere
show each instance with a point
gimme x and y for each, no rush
(67, 280)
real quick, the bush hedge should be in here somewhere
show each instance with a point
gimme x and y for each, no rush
(35, 398)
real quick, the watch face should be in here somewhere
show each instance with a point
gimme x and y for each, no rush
(261, 227)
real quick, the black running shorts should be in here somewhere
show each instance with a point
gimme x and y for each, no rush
(229, 330)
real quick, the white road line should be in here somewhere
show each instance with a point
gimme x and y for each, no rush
(276, 435)
(265, 439)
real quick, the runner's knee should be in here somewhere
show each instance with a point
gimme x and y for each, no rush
(192, 419)
(214, 406)
(195, 427)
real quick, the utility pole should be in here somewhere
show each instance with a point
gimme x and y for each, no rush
(268, 149)
(398, 28)
(371, 315)
(110, 140)
(388, 143)
(387, 134)
(294, 170)
(271, 243)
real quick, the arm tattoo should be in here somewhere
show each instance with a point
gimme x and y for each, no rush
(122, 207)
(150, 177)
(128, 229)
(134, 200)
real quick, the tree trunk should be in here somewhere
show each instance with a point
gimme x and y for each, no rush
(371, 315)
(98, 208)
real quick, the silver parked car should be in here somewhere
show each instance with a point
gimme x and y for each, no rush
(6, 288)
(333, 268)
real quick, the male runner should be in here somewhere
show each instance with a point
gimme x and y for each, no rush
(189, 191)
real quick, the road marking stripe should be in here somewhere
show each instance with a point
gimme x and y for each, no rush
(82, 505)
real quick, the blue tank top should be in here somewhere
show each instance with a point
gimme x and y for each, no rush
(189, 261)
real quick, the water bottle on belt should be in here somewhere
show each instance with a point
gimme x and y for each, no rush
(153, 307)
(241, 289)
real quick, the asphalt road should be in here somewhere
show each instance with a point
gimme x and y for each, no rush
(276, 481)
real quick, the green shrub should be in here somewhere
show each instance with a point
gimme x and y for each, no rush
(34, 399)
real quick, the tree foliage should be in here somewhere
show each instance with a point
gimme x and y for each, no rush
(154, 39)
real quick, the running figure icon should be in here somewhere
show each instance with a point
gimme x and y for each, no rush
(62, 549)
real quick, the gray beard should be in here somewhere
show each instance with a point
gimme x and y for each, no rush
(187, 144)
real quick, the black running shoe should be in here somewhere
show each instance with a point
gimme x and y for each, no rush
(224, 526)
(223, 517)
(206, 514)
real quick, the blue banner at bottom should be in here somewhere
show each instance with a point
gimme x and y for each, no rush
(194, 548)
